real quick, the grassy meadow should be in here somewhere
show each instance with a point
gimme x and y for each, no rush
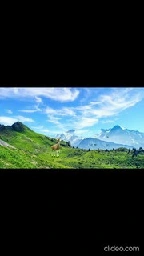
(33, 150)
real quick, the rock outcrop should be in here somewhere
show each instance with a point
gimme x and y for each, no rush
(18, 126)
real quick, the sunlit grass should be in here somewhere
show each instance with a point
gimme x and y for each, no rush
(34, 151)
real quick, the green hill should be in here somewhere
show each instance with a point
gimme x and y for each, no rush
(32, 150)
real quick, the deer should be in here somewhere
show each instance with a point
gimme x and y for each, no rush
(56, 147)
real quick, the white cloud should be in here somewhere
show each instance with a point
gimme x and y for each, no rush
(107, 105)
(36, 109)
(116, 102)
(57, 94)
(28, 110)
(111, 104)
(6, 92)
(51, 111)
(65, 111)
(24, 119)
(85, 122)
(92, 103)
(43, 130)
(9, 111)
(10, 120)
(53, 119)
(83, 108)
(7, 120)
(16, 91)
(38, 100)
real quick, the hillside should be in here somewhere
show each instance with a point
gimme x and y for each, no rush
(25, 148)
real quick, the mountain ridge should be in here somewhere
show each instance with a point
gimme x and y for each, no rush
(118, 135)
(94, 144)
(107, 139)
(33, 151)
(123, 136)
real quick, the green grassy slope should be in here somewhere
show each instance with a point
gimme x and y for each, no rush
(33, 151)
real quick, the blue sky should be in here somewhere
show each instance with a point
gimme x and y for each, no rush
(52, 110)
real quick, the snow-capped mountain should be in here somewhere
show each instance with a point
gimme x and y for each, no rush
(70, 136)
(106, 139)
(119, 135)
(93, 143)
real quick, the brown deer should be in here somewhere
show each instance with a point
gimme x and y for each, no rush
(56, 148)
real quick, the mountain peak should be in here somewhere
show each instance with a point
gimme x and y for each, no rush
(117, 127)
(18, 126)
